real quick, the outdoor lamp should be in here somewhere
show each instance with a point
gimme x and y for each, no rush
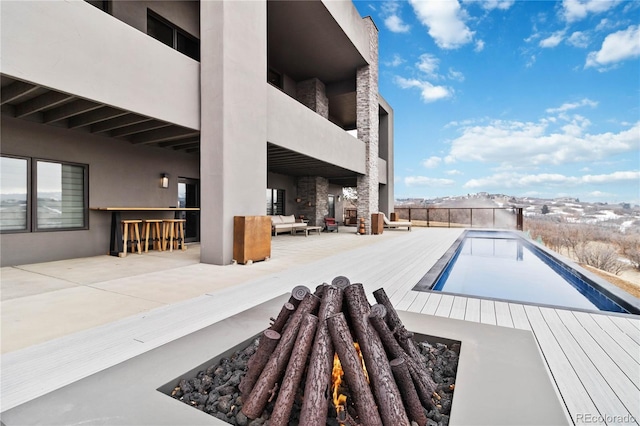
(164, 180)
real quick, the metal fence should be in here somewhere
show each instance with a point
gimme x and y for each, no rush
(463, 217)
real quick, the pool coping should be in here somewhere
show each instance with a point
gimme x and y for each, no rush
(498, 366)
(619, 296)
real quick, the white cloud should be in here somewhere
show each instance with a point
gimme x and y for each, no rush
(427, 181)
(575, 10)
(455, 75)
(578, 39)
(392, 20)
(497, 4)
(527, 144)
(553, 40)
(395, 24)
(515, 180)
(429, 64)
(445, 22)
(432, 162)
(453, 172)
(479, 46)
(569, 106)
(428, 91)
(616, 47)
(395, 61)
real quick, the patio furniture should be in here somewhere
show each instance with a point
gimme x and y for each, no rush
(280, 223)
(151, 228)
(377, 223)
(131, 230)
(330, 224)
(173, 234)
(251, 239)
(397, 224)
(115, 234)
(313, 228)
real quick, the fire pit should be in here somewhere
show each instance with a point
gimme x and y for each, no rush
(317, 389)
(501, 377)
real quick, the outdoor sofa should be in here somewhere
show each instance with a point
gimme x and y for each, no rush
(280, 224)
(396, 224)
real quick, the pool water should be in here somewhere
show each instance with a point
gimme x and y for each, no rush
(502, 265)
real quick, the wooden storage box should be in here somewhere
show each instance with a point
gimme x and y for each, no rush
(377, 223)
(251, 238)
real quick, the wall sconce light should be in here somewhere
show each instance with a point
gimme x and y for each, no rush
(298, 200)
(164, 180)
(308, 203)
(339, 198)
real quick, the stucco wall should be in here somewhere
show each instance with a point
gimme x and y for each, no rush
(293, 126)
(73, 47)
(120, 174)
(184, 14)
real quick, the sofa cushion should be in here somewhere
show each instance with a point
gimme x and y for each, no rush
(288, 219)
(276, 220)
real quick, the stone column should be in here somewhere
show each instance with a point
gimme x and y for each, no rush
(233, 105)
(367, 125)
(313, 190)
(313, 94)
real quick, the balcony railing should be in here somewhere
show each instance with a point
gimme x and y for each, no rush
(463, 217)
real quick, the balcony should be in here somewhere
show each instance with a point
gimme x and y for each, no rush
(128, 70)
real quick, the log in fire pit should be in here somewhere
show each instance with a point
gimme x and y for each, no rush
(330, 358)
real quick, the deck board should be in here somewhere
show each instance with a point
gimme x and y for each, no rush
(574, 394)
(487, 312)
(627, 328)
(458, 308)
(621, 338)
(519, 316)
(473, 310)
(444, 308)
(431, 306)
(503, 314)
(419, 301)
(593, 380)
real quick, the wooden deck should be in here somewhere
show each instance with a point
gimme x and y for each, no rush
(592, 358)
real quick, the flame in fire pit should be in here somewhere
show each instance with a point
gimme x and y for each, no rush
(339, 399)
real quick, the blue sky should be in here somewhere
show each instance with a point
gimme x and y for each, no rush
(526, 98)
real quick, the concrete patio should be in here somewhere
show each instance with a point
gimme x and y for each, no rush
(63, 321)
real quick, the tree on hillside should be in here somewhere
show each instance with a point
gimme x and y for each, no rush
(545, 209)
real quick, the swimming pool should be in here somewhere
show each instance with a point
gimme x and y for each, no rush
(503, 265)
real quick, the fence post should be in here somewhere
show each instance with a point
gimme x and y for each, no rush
(471, 216)
(427, 217)
(494, 218)
(519, 224)
(449, 220)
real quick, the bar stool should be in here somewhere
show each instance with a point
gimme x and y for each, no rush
(173, 233)
(151, 227)
(131, 229)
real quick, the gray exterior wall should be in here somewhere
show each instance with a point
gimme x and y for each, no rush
(233, 136)
(185, 14)
(93, 55)
(120, 174)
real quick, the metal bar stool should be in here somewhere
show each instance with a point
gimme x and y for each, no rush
(131, 229)
(151, 228)
(173, 234)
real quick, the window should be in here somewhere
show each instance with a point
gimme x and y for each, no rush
(100, 4)
(164, 31)
(274, 78)
(60, 194)
(13, 193)
(43, 195)
(275, 201)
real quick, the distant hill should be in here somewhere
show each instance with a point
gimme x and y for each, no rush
(570, 209)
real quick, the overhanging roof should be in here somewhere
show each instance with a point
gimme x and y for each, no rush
(40, 104)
